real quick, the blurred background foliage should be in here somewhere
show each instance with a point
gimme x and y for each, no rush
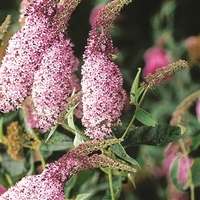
(140, 26)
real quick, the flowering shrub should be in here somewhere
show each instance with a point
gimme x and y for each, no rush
(83, 125)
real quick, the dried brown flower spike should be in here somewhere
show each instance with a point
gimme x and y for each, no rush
(153, 80)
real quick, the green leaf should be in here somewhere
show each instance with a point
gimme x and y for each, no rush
(136, 82)
(83, 196)
(121, 153)
(160, 134)
(145, 117)
(3, 180)
(195, 143)
(69, 186)
(14, 168)
(195, 169)
(174, 169)
(136, 96)
(57, 142)
(51, 133)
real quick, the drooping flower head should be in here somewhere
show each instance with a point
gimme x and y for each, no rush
(40, 62)
(53, 82)
(24, 53)
(103, 96)
(49, 185)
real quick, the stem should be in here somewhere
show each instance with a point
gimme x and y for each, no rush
(190, 183)
(74, 131)
(111, 184)
(133, 118)
(39, 156)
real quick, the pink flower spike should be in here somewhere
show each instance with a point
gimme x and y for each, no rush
(102, 94)
(54, 82)
(184, 165)
(24, 53)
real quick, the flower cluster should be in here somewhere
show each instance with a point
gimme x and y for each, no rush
(39, 62)
(50, 183)
(14, 141)
(53, 83)
(103, 96)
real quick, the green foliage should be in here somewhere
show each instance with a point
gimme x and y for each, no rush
(195, 169)
(145, 117)
(57, 142)
(121, 153)
(83, 196)
(160, 134)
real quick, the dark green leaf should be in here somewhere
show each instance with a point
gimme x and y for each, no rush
(145, 117)
(57, 142)
(160, 134)
(196, 172)
(3, 180)
(121, 153)
(69, 186)
(195, 143)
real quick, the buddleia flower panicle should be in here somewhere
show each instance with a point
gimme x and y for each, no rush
(183, 107)
(102, 94)
(153, 80)
(14, 141)
(50, 184)
(23, 6)
(24, 54)
(43, 62)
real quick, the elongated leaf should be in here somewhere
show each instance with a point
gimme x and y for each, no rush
(83, 196)
(121, 153)
(145, 117)
(51, 133)
(136, 81)
(196, 172)
(136, 96)
(160, 134)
